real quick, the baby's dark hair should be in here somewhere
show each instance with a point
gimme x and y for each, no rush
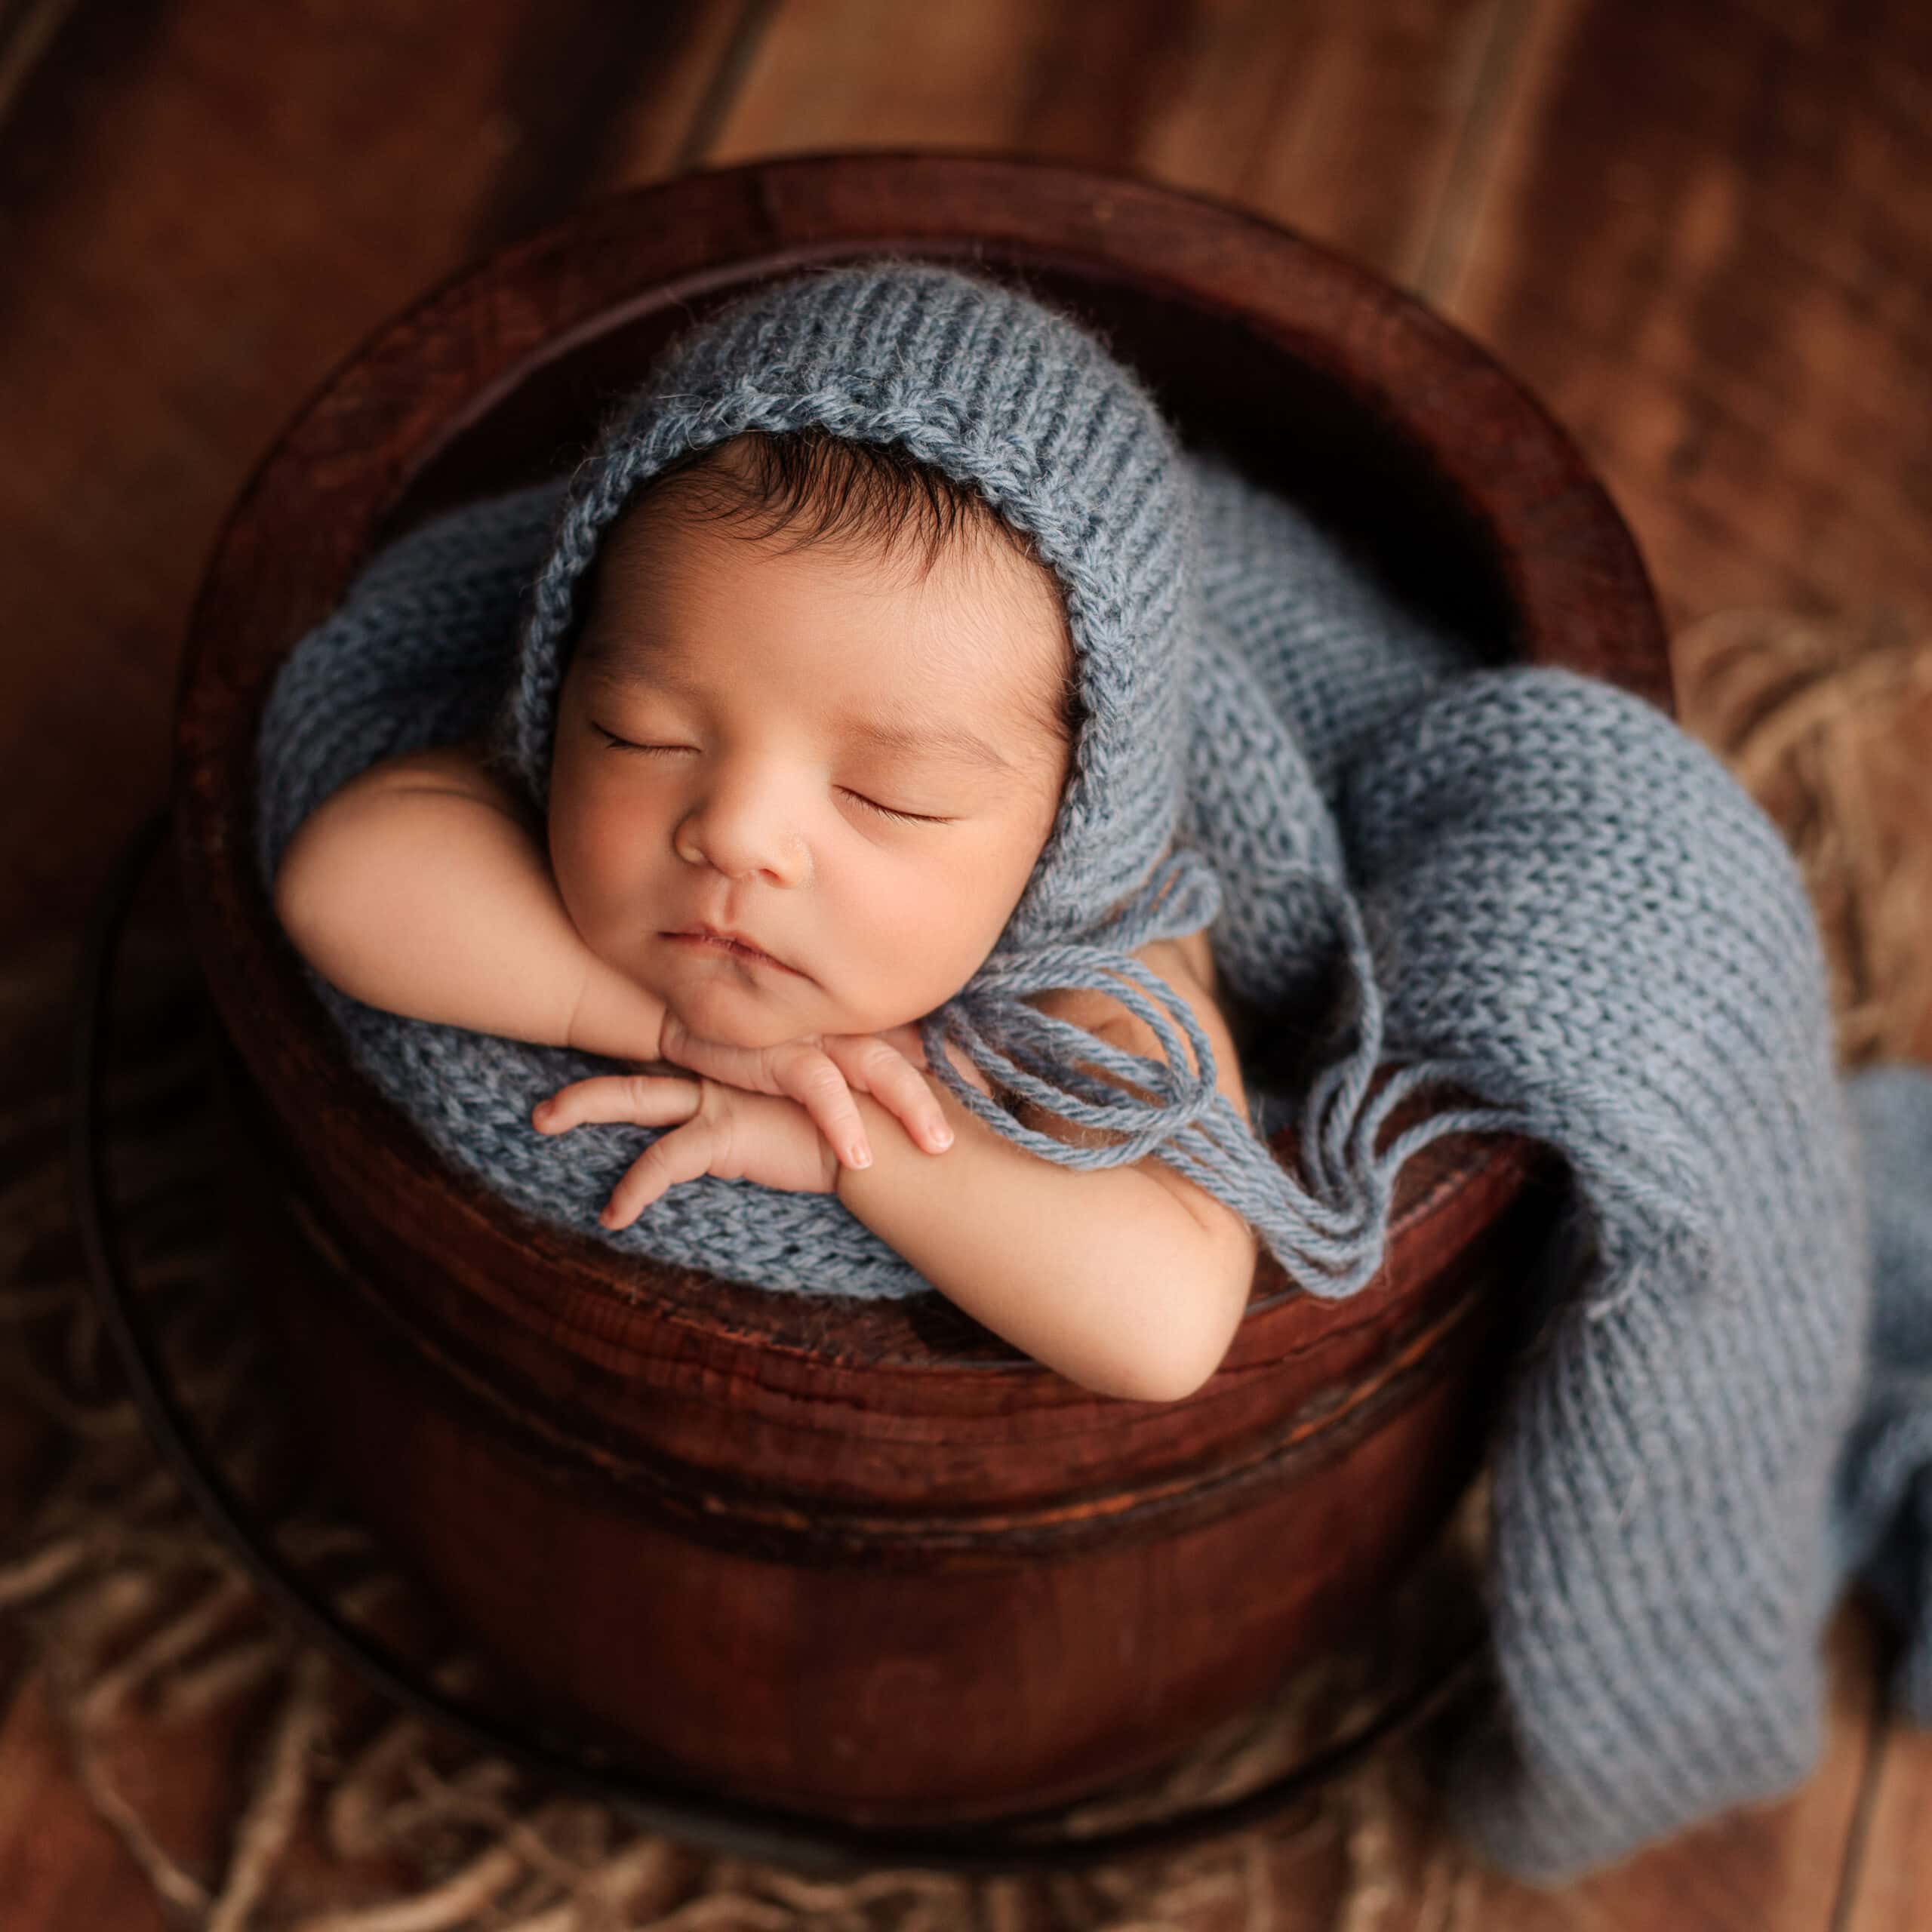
(879, 498)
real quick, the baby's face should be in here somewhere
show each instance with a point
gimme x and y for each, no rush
(800, 697)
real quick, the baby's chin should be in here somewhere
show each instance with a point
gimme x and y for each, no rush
(753, 1017)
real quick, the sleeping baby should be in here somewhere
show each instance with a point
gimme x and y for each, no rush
(814, 732)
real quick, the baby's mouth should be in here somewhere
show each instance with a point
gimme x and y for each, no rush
(735, 948)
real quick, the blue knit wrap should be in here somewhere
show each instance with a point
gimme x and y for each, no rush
(1540, 891)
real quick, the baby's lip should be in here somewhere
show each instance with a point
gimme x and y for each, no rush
(736, 939)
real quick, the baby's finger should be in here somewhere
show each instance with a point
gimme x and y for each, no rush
(732, 1066)
(869, 1064)
(812, 1078)
(670, 1158)
(906, 1037)
(643, 1099)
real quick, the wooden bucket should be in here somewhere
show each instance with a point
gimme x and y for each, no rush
(867, 1561)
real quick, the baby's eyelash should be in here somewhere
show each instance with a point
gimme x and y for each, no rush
(885, 811)
(626, 744)
(910, 818)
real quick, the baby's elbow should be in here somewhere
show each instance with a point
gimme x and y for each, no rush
(1182, 1368)
(1170, 1378)
(1171, 1361)
(312, 887)
(1188, 1354)
(1199, 1339)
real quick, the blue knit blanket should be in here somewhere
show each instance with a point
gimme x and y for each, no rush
(1541, 892)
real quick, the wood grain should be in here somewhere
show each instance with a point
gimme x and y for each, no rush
(188, 251)
(1365, 128)
(1706, 245)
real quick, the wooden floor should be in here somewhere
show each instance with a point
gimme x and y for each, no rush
(1701, 230)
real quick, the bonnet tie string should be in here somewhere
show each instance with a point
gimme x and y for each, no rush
(1329, 1235)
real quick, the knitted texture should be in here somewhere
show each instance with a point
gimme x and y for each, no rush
(1539, 892)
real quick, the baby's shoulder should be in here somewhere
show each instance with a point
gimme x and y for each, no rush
(464, 769)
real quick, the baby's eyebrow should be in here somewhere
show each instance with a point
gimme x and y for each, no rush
(955, 741)
(920, 736)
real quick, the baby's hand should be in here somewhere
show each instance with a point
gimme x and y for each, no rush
(723, 1131)
(817, 1073)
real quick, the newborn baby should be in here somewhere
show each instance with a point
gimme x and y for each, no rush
(801, 777)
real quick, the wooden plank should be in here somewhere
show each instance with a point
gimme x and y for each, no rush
(1705, 246)
(1357, 126)
(1691, 245)
(188, 250)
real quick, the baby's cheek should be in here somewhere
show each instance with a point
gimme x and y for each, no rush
(593, 865)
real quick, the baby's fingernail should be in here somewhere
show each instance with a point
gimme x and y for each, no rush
(857, 1155)
(941, 1138)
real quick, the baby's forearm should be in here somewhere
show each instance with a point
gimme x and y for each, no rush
(1101, 1274)
(411, 890)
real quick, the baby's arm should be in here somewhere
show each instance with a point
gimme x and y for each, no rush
(1130, 1281)
(423, 886)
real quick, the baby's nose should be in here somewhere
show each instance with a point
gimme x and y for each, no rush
(747, 831)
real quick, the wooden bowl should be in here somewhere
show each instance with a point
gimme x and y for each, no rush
(867, 1561)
